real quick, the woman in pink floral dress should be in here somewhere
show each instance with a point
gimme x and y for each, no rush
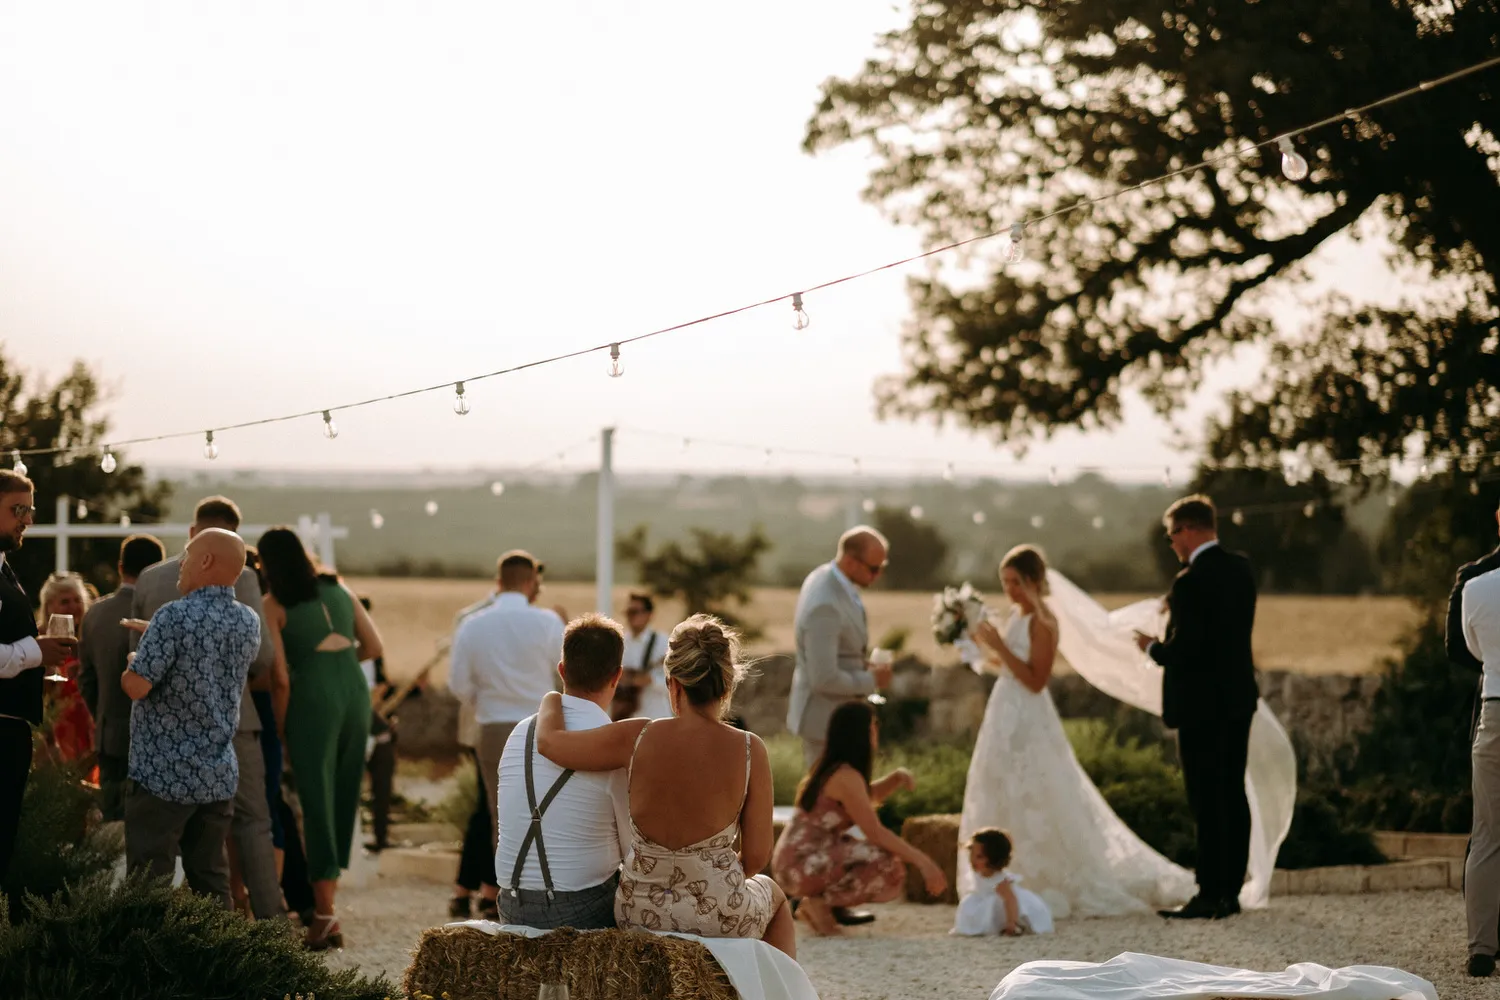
(816, 858)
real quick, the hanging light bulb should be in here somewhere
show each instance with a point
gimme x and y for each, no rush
(1474, 487)
(1309, 509)
(1098, 522)
(868, 506)
(916, 513)
(210, 450)
(948, 472)
(615, 368)
(979, 517)
(1015, 250)
(858, 468)
(124, 520)
(17, 464)
(1238, 517)
(430, 507)
(81, 511)
(377, 520)
(330, 429)
(497, 488)
(107, 463)
(1037, 520)
(1052, 479)
(687, 443)
(1293, 166)
(1425, 473)
(800, 319)
(1166, 477)
(460, 401)
(768, 458)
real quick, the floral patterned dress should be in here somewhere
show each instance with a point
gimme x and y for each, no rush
(699, 889)
(816, 856)
(71, 725)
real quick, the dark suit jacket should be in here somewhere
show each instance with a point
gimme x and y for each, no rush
(1457, 646)
(103, 645)
(1209, 670)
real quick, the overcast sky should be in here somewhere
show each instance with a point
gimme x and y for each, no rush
(237, 210)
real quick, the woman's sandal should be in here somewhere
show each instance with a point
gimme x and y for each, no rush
(332, 936)
(822, 923)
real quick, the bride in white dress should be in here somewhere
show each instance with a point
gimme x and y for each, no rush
(1070, 846)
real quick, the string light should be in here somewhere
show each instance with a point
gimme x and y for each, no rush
(81, 511)
(497, 488)
(1015, 248)
(769, 455)
(800, 319)
(858, 468)
(948, 472)
(330, 429)
(460, 401)
(1309, 509)
(1166, 477)
(916, 513)
(687, 443)
(210, 450)
(124, 520)
(1425, 473)
(430, 507)
(1037, 521)
(1293, 165)
(1098, 522)
(1052, 479)
(1474, 487)
(615, 368)
(1238, 517)
(979, 517)
(868, 506)
(377, 521)
(107, 463)
(17, 464)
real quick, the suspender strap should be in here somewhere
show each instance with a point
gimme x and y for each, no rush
(534, 832)
(646, 654)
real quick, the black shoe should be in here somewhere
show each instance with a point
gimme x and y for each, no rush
(460, 908)
(852, 918)
(1198, 908)
(375, 847)
(489, 909)
(792, 902)
(1481, 966)
(1227, 908)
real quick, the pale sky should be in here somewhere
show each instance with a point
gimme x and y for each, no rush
(325, 202)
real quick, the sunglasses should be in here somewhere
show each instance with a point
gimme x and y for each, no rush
(22, 511)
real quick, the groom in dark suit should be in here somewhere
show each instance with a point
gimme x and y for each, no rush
(1209, 696)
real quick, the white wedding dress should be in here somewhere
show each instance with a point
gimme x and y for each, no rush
(1068, 843)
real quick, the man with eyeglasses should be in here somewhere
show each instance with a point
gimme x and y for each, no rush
(22, 651)
(642, 693)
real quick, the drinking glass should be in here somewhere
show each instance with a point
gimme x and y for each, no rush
(59, 627)
(552, 991)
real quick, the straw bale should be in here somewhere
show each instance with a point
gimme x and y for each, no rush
(937, 837)
(463, 963)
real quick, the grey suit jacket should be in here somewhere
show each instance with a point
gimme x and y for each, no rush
(832, 638)
(157, 585)
(103, 644)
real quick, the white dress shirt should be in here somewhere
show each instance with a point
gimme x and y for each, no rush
(504, 659)
(1202, 549)
(18, 656)
(1481, 613)
(654, 703)
(586, 829)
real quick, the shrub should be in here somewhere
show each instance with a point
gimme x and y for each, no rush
(787, 769)
(941, 770)
(58, 842)
(1324, 832)
(143, 939)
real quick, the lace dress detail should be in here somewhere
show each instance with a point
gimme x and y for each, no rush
(1069, 845)
(816, 857)
(699, 889)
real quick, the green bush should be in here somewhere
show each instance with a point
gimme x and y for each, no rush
(787, 769)
(458, 805)
(941, 770)
(143, 940)
(58, 841)
(1325, 832)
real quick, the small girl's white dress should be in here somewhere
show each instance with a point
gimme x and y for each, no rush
(982, 912)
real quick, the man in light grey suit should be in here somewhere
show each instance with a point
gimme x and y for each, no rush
(103, 646)
(251, 826)
(833, 638)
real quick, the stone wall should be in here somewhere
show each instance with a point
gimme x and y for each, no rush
(1321, 712)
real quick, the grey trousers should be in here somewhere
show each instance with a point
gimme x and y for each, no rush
(583, 910)
(251, 829)
(156, 830)
(492, 737)
(112, 774)
(1482, 870)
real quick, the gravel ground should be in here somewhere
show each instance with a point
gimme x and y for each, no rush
(907, 953)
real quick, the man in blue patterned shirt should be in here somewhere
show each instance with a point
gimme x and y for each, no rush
(186, 678)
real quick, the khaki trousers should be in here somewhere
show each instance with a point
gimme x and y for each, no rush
(492, 737)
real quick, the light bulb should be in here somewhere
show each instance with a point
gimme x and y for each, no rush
(615, 368)
(210, 450)
(1166, 477)
(15, 461)
(868, 506)
(1037, 520)
(1098, 522)
(377, 521)
(431, 507)
(948, 472)
(858, 468)
(107, 463)
(916, 513)
(1425, 472)
(497, 488)
(81, 511)
(1015, 250)
(1238, 517)
(460, 401)
(1293, 166)
(687, 443)
(1052, 479)
(1309, 509)
(1474, 487)
(124, 520)
(800, 319)
(768, 458)
(330, 429)
(979, 517)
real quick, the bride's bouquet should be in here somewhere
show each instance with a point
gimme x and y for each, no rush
(954, 611)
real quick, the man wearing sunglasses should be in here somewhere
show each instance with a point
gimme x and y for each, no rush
(22, 651)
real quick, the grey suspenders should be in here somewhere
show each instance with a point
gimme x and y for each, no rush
(534, 833)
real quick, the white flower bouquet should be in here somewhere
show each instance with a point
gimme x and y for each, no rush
(954, 611)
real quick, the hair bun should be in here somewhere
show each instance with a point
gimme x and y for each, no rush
(703, 656)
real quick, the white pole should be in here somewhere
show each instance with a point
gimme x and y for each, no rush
(325, 540)
(305, 531)
(60, 561)
(604, 565)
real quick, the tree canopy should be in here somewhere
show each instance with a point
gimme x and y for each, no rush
(981, 113)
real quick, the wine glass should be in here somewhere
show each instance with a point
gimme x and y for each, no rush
(552, 991)
(59, 627)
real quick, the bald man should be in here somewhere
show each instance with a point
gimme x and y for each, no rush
(186, 679)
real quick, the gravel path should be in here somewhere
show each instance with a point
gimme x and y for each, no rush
(907, 953)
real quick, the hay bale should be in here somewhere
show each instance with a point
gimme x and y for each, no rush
(937, 837)
(462, 963)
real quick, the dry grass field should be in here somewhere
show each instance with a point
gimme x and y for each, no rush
(1314, 635)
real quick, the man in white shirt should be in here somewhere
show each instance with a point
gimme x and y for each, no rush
(503, 660)
(643, 690)
(563, 834)
(1481, 632)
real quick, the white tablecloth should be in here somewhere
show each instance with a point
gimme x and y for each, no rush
(1148, 977)
(755, 969)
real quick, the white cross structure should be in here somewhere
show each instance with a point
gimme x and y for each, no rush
(316, 531)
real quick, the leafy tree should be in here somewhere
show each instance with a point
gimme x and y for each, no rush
(984, 112)
(714, 573)
(919, 553)
(1435, 527)
(65, 414)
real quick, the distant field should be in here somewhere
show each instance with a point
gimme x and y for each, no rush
(1313, 635)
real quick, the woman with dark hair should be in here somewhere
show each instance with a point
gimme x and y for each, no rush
(321, 632)
(816, 859)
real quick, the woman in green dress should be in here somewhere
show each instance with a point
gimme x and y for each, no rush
(322, 703)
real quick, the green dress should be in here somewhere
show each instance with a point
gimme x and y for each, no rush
(327, 724)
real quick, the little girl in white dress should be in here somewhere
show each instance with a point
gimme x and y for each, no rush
(998, 905)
